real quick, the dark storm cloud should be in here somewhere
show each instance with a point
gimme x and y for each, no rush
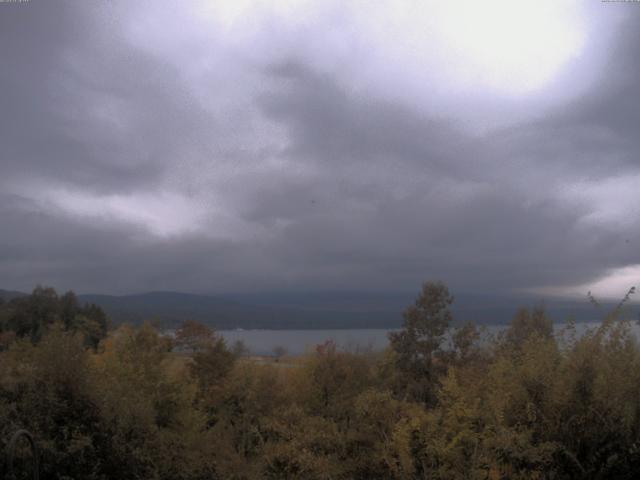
(295, 178)
(614, 103)
(82, 106)
(404, 197)
(363, 151)
(331, 125)
(111, 257)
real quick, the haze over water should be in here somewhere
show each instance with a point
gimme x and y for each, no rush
(297, 342)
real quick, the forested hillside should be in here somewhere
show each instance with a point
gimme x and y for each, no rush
(136, 405)
(222, 312)
(314, 310)
(320, 310)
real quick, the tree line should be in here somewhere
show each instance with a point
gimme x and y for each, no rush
(441, 402)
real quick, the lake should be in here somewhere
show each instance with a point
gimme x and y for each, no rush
(296, 342)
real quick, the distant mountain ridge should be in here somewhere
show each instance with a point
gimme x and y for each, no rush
(170, 308)
(7, 295)
(316, 310)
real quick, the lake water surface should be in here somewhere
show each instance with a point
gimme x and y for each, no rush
(296, 342)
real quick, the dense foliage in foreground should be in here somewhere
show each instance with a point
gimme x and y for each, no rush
(440, 403)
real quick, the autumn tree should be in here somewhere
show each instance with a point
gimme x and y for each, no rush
(240, 349)
(526, 323)
(417, 345)
(279, 351)
(211, 364)
(149, 426)
(193, 336)
(31, 316)
(46, 389)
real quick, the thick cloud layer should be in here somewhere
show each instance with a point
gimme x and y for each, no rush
(145, 146)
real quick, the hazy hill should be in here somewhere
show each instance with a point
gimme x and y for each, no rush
(321, 309)
(488, 309)
(317, 310)
(9, 294)
(170, 308)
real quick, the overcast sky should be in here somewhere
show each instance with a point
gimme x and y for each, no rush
(227, 146)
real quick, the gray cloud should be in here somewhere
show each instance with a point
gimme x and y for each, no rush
(126, 168)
